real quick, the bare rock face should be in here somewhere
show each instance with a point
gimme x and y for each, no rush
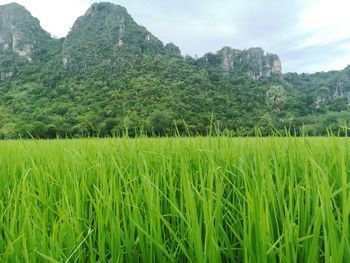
(17, 33)
(324, 95)
(341, 91)
(229, 57)
(338, 90)
(22, 40)
(5, 75)
(257, 64)
(253, 62)
(12, 41)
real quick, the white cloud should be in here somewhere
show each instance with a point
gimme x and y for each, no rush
(323, 14)
(326, 21)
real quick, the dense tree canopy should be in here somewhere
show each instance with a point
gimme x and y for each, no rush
(111, 76)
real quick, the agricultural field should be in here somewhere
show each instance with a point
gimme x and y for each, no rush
(213, 199)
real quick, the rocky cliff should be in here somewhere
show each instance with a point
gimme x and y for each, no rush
(106, 33)
(253, 62)
(22, 40)
(110, 73)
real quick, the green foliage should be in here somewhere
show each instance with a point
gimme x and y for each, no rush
(107, 36)
(162, 122)
(214, 199)
(275, 98)
(111, 76)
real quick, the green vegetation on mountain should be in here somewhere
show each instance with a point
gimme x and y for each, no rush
(24, 46)
(110, 75)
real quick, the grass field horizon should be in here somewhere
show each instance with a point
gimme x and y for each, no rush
(194, 199)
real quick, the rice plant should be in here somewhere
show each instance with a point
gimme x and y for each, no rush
(214, 199)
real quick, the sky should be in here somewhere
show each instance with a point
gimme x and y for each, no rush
(308, 35)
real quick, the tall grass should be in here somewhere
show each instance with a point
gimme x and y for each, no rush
(212, 199)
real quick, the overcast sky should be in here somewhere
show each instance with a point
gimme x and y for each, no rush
(308, 35)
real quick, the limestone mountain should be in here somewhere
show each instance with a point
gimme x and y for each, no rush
(22, 41)
(323, 91)
(111, 75)
(107, 37)
(106, 34)
(252, 62)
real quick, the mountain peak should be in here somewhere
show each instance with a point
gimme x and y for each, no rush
(22, 40)
(12, 11)
(12, 5)
(20, 32)
(105, 33)
(103, 7)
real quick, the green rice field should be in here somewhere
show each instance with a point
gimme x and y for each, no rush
(214, 199)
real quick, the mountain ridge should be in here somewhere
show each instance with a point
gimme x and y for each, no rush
(109, 5)
(100, 14)
(110, 75)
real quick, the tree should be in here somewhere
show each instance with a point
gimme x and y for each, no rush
(276, 98)
(162, 122)
(51, 131)
(339, 104)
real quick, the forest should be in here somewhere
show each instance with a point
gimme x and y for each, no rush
(110, 76)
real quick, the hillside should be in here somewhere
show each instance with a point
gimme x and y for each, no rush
(110, 75)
